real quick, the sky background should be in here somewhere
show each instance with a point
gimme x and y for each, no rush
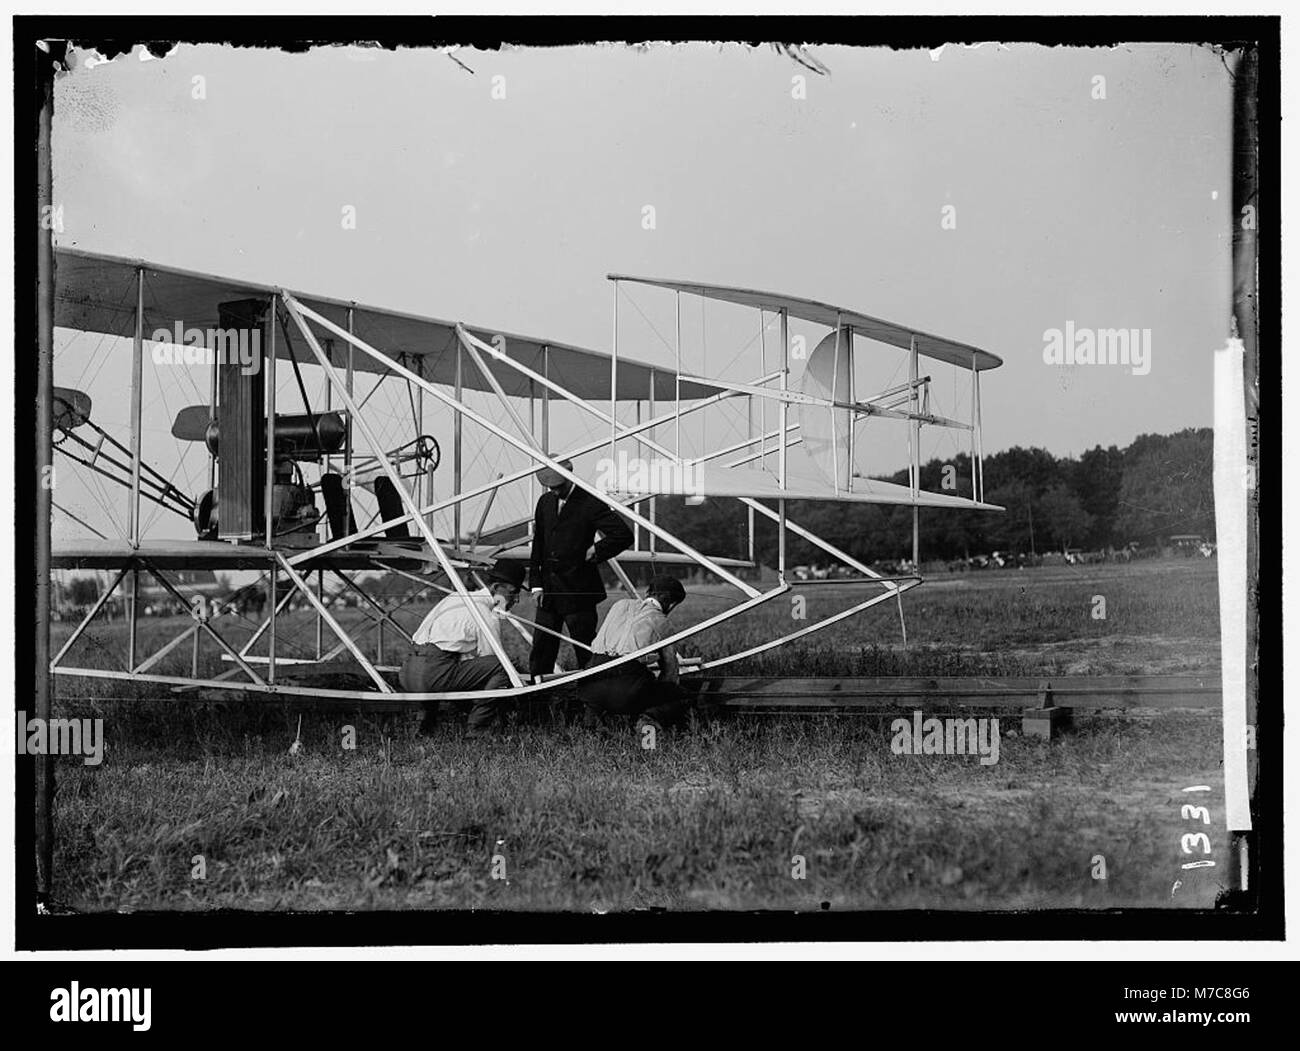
(509, 212)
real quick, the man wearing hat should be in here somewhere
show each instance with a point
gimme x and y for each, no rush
(564, 570)
(631, 689)
(452, 654)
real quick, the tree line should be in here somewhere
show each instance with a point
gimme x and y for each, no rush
(1157, 487)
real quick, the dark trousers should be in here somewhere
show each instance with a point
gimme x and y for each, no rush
(432, 670)
(632, 689)
(581, 625)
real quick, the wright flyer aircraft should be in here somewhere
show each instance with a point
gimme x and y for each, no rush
(315, 467)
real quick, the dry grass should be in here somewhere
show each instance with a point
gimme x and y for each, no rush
(710, 818)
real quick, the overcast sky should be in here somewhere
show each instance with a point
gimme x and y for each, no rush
(508, 212)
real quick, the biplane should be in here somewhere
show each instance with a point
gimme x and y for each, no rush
(287, 473)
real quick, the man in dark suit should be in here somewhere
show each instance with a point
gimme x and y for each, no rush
(564, 570)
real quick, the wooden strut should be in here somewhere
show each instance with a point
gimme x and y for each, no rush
(471, 343)
(649, 442)
(415, 512)
(420, 523)
(476, 491)
(203, 625)
(753, 505)
(696, 628)
(301, 311)
(507, 692)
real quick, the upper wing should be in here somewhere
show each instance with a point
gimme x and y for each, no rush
(927, 345)
(98, 293)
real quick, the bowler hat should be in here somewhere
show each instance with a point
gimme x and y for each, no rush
(507, 572)
(549, 477)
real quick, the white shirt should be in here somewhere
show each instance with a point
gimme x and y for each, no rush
(451, 626)
(630, 625)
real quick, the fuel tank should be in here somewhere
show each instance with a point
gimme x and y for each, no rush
(294, 435)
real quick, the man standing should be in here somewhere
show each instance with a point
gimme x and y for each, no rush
(564, 571)
(452, 654)
(631, 688)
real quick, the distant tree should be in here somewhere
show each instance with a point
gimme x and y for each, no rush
(1011, 530)
(1168, 487)
(1035, 468)
(83, 591)
(1097, 480)
(715, 526)
(947, 534)
(1062, 517)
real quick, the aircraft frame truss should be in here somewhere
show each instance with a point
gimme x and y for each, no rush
(289, 569)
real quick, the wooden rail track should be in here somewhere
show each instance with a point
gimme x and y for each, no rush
(1044, 702)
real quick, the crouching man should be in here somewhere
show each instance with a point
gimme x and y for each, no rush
(453, 655)
(631, 689)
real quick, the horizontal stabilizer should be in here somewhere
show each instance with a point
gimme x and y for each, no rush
(71, 408)
(191, 423)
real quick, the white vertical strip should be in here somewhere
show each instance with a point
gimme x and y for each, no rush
(1231, 482)
(654, 507)
(137, 396)
(835, 396)
(613, 386)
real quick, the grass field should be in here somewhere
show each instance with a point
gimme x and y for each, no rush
(1160, 617)
(717, 815)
